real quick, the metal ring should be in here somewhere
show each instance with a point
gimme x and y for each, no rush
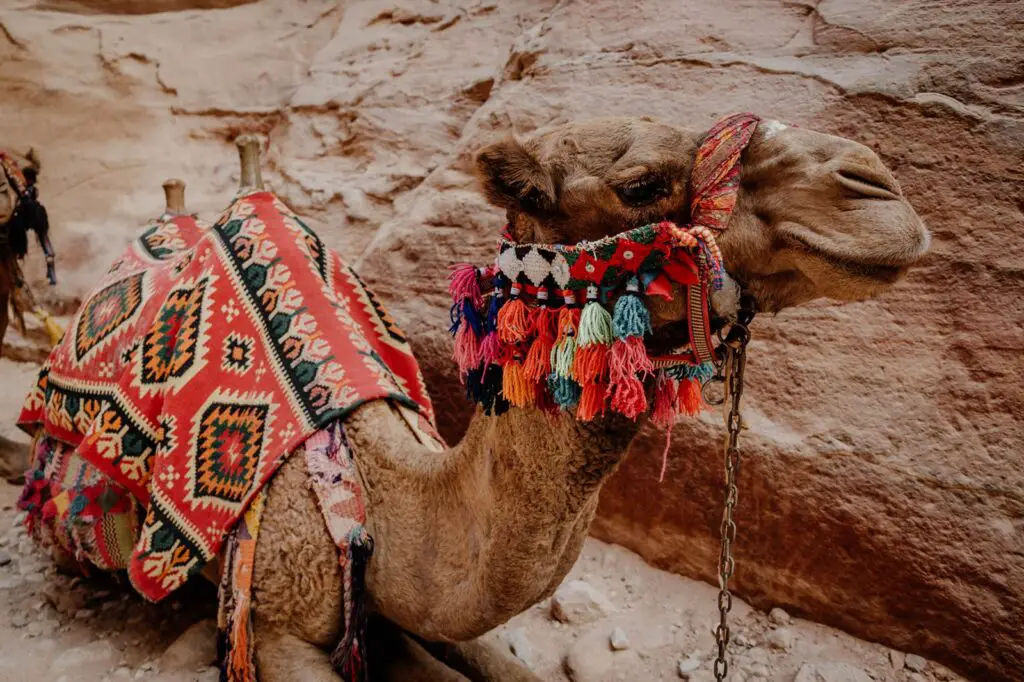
(710, 399)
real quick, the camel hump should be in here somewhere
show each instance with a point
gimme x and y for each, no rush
(249, 158)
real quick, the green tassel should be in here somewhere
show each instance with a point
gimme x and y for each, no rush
(595, 325)
(562, 356)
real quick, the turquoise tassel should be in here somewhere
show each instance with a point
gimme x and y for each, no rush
(565, 391)
(631, 317)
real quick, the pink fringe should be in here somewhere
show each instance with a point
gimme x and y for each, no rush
(463, 283)
(628, 360)
(467, 351)
(492, 350)
(666, 403)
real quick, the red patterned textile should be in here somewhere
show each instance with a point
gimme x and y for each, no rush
(202, 359)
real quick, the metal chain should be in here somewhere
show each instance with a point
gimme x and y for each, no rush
(735, 362)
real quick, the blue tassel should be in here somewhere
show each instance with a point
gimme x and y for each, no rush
(701, 372)
(455, 315)
(472, 317)
(631, 317)
(565, 391)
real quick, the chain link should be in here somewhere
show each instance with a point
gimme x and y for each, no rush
(735, 362)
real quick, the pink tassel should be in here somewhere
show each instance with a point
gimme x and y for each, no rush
(629, 359)
(666, 403)
(463, 283)
(492, 350)
(467, 349)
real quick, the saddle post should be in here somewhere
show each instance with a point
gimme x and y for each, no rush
(174, 193)
(249, 158)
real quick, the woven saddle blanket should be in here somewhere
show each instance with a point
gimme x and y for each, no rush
(204, 357)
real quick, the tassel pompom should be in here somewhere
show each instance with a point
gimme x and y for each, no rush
(631, 317)
(564, 391)
(627, 363)
(564, 351)
(513, 321)
(466, 352)
(593, 400)
(690, 397)
(628, 398)
(464, 284)
(666, 402)
(595, 325)
(516, 387)
(590, 365)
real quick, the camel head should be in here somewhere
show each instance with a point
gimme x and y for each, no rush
(817, 216)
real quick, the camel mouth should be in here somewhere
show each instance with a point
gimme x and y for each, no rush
(876, 271)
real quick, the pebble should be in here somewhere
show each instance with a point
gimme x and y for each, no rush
(916, 677)
(688, 665)
(741, 639)
(618, 640)
(5, 558)
(698, 676)
(521, 646)
(758, 670)
(781, 638)
(579, 602)
(98, 653)
(19, 621)
(916, 663)
(779, 617)
(210, 674)
(897, 659)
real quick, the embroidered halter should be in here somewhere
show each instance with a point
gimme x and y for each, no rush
(539, 327)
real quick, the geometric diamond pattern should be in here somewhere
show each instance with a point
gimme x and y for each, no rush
(169, 348)
(106, 311)
(229, 441)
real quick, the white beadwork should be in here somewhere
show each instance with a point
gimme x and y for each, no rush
(560, 271)
(510, 264)
(536, 267)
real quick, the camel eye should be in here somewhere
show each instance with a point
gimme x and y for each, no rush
(644, 190)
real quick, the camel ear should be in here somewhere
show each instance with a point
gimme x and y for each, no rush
(513, 178)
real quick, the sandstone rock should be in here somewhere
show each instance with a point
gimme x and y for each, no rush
(897, 659)
(579, 602)
(370, 125)
(591, 660)
(916, 663)
(5, 558)
(520, 645)
(95, 655)
(194, 648)
(698, 676)
(618, 640)
(830, 672)
(688, 665)
(779, 617)
(209, 674)
(781, 638)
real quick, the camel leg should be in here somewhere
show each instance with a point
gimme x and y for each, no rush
(396, 657)
(297, 584)
(286, 658)
(483, 660)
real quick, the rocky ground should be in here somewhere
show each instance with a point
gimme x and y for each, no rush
(615, 618)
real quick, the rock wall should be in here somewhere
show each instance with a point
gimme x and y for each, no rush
(880, 490)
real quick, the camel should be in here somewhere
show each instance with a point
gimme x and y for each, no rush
(20, 213)
(469, 536)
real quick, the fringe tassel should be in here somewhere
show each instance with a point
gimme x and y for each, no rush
(564, 390)
(464, 283)
(564, 351)
(593, 400)
(491, 398)
(349, 658)
(514, 319)
(538, 360)
(631, 317)
(690, 397)
(627, 363)
(466, 352)
(666, 402)
(516, 386)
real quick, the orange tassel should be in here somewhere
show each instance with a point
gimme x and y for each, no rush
(691, 400)
(592, 401)
(590, 364)
(538, 360)
(516, 386)
(513, 322)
